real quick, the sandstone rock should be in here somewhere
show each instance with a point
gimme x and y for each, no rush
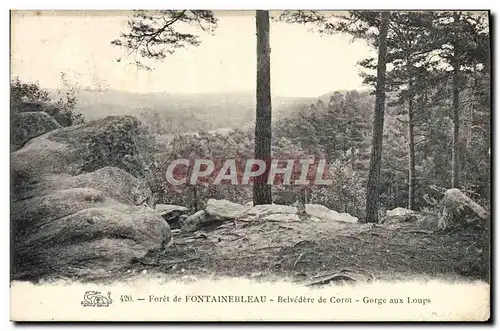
(265, 210)
(215, 210)
(196, 221)
(172, 214)
(224, 209)
(113, 141)
(400, 212)
(30, 106)
(50, 109)
(165, 210)
(28, 125)
(113, 182)
(281, 217)
(77, 208)
(458, 208)
(106, 236)
(325, 213)
(274, 213)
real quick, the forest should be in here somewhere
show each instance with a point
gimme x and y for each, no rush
(409, 157)
(431, 127)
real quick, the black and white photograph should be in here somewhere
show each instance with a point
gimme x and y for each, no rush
(250, 165)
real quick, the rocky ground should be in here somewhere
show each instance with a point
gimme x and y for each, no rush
(80, 203)
(312, 249)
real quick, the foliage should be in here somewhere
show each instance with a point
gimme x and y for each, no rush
(61, 105)
(67, 102)
(154, 34)
(421, 50)
(22, 92)
(338, 126)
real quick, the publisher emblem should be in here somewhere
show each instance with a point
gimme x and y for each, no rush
(96, 299)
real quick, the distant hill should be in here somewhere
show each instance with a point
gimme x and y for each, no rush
(183, 112)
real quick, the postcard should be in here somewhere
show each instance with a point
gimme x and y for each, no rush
(251, 165)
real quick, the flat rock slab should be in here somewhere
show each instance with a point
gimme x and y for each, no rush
(163, 209)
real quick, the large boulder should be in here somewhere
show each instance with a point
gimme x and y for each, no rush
(30, 106)
(28, 125)
(458, 209)
(113, 141)
(80, 232)
(63, 118)
(80, 202)
(113, 182)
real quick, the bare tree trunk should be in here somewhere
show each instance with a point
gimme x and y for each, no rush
(352, 158)
(397, 195)
(301, 209)
(372, 192)
(261, 190)
(456, 105)
(411, 146)
(195, 198)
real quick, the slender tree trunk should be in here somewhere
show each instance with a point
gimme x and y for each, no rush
(456, 106)
(195, 198)
(301, 209)
(411, 145)
(261, 190)
(372, 193)
(352, 158)
(397, 195)
(468, 127)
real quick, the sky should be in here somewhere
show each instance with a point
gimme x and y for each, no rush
(303, 63)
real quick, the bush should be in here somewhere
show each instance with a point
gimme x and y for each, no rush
(62, 107)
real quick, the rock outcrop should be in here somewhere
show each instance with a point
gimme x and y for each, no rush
(223, 210)
(46, 107)
(28, 125)
(30, 106)
(110, 142)
(323, 212)
(458, 209)
(81, 206)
